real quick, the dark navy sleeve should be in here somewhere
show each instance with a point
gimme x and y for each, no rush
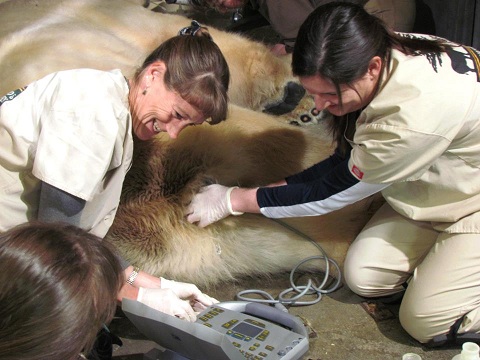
(330, 191)
(318, 170)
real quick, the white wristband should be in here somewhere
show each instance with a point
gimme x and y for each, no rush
(229, 203)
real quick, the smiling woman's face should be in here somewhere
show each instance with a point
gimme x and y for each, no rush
(159, 109)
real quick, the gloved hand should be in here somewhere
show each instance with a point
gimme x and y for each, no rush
(198, 300)
(166, 301)
(211, 204)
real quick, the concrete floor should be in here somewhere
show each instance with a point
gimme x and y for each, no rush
(340, 328)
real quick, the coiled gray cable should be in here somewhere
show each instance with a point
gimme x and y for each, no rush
(301, 290)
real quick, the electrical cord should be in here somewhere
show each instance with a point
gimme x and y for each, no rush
(301, 290)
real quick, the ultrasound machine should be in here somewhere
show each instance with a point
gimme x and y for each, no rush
(227, 330)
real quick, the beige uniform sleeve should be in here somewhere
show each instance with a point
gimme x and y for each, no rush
(386, 153)
(407, 127)
(81, 137)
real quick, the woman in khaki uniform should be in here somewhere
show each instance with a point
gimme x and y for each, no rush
(407, 124)
(67, 144)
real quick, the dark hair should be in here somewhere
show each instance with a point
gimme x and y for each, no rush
(197, 70)
(338, 40)
(58, 285)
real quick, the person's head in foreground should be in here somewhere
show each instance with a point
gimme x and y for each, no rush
(58, 287)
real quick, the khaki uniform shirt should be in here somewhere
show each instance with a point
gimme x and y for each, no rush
(72, 130)
(421, 134)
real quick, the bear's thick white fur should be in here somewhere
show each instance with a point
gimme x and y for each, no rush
(248, 149)
(41, 37)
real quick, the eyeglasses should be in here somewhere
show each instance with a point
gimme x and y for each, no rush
(190, 30)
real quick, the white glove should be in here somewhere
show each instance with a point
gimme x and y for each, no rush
(166, 301)
(211, 204)
(198, 300)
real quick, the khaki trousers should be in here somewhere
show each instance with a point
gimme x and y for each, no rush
(442, 271)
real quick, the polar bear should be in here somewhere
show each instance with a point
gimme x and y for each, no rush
(249, 149)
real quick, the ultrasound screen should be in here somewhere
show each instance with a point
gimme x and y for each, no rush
(247, 329)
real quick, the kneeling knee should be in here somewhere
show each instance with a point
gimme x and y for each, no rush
(359, 280)
(420, 320)
(415, 325)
